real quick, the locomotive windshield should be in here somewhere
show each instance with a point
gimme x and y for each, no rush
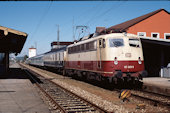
(134, 42)
(116, 42)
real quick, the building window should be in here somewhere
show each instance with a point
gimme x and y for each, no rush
(142, 34)
(155, 35)
(166, 35)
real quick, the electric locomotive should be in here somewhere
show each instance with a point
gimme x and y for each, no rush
(111, 57)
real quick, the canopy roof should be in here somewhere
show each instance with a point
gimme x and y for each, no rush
(11, 40)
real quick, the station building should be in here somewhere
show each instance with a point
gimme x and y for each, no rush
(154, 31)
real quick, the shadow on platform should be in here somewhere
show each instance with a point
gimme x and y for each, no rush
(14, 73)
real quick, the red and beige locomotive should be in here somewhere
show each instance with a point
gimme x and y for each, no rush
(110, 57)
(113, 58)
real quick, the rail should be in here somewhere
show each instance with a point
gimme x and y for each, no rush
(64, 99)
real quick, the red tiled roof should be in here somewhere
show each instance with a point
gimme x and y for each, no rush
(123, 26)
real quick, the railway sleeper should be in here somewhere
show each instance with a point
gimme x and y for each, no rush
(76, 111)
(63, 98)
(77, 107)
(71, 102)
(65, 105)
(74, 102)
(70, 105)
(80, 109)
(65, 101)
(67, 96)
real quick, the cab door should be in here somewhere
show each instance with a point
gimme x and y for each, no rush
(100, 46)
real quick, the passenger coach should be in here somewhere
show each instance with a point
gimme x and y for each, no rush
(55, 59)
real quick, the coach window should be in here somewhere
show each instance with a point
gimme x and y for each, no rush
(116, 42)
(166, 35)
(59, 56)
(56, 57)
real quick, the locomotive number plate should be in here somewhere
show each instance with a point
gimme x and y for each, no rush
(129, 67)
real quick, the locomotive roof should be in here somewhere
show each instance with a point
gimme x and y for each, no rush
(117, 35)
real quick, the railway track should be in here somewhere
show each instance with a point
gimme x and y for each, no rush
(146, 99)
(153, 98)
(62, 99)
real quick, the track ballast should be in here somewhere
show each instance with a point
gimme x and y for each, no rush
(62, 99)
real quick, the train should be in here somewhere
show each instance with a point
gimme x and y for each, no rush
(110, 58)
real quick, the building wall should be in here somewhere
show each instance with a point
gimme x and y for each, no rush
(159, 23)
(32, 52)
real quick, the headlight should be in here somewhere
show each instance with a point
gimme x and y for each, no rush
(115, 61)
(139, 61)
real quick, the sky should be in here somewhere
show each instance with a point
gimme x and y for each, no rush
(40, 19)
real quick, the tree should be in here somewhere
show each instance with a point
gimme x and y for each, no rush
(25, 57)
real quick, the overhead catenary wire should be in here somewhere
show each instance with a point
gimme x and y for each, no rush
(80, 17)
(98, 17)
(40, 22)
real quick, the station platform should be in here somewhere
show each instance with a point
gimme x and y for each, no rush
(17, 94)
(157, 85)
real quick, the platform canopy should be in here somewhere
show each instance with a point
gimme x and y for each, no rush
(156, 55)
(11, 40)
(159, 42)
